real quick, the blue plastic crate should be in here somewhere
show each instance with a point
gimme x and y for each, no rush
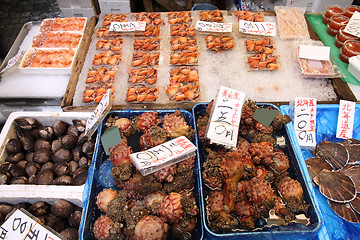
(292, 231)
(101, 175)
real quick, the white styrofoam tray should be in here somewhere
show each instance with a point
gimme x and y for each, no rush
(75, 194)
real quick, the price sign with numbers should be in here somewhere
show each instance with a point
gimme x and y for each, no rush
(213, 26)
(163, 155)
(353, 27)
(225, 118)
(99, 114)
(257, 28)
(21, 226)
(345, 123)
(127, 26)
(305, 121)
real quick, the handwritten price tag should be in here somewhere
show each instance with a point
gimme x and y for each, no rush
(127, 26)
(213, 26)
(353, 27)
(163, 155)
(345, 123)
(257, 28)
(20, 226)
(98, 115)
(305, 121)
(225, 117)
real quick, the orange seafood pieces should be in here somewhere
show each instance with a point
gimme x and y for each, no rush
(182, 30)
(143, 75)
(149, 18)
(57, 40)
(183, 92)
(95, 94)
(142, 93)
(184, 58)
(184, 43)
(219, 43)
(59, 58)
(147, 44)
(265, 45)
(184, 74)
(63, 24)
(250, 16)
(109, 44)
(212, 16)
(114, 17)
(101, 75)
(108, 58)
(145, 59)
(150, 30)
(263, 62)
(179, 17)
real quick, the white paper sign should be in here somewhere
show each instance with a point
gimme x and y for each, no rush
(257, 28)
(353, 27)
(345, 123)
(20, 226)
(305, 121)
(213, 26)
(225, 117)
(127, 26)
(163, 155)
(12, 61)
(99, 114)
(314, 52)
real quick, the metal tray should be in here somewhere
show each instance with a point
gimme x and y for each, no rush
(293, 230)
(102, 174)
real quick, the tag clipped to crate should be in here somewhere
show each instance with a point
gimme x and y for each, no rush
(305, 121)
(127, 26)
(213, 26)
(225, 117)
(345, 124)
(163, 155)
(257, 28)
(353, 27)
(99, 114)
(22, 225)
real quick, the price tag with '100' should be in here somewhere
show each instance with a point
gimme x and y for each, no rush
(257, 28)
(305, 121)
(213, 26)
(127, 26)
(99, 114)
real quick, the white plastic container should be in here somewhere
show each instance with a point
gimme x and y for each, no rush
(354, 66)
(75, 3)
(29, 192)
(78, 12)
(114, 6)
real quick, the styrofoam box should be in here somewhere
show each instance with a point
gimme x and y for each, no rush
(114, 6)
(354, 66)
(74, 194)
(78, 12)
(75, 3)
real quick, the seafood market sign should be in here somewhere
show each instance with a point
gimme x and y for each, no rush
(257, 28)
(213, 26)
(21, 226)
(345, 123)
(225, 118)
(127, 26)
(305, 121)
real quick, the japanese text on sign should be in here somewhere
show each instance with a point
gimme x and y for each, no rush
(99, 114)
(163, 155)
(257, 28)
(353, 27)
(127, 26)
(305, 121)
(345, 123)
(21, 226)
(213, 26)
(225, 118)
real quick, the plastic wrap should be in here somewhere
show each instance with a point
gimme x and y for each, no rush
(333, 227)
(291, 22)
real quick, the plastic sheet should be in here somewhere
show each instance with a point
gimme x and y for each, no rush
(333, 226)
(291, 22)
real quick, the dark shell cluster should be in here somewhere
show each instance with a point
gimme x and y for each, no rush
(335, 169)
(59, 154)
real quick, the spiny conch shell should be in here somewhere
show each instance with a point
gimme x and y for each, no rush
(353, 147)
(336, 186)
(353, 171)
(345, 211)
(315, 165)
(334, 153)
(355, 204)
